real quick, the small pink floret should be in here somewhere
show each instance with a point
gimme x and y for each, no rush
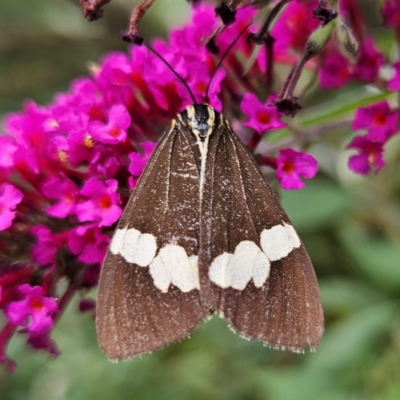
(263, 117)
(34, 311)
(10, 197)
(292, 165)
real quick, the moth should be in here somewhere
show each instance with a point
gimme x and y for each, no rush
(204, 233)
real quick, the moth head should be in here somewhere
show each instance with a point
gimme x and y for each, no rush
(201, 119)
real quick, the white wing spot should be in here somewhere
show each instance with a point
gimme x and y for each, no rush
(220, 272)
(242, 264)
(117, 241)
(236, 270)
(292, 234)
(135, 247)
(279, 241)
(159, 272)
(261, 267)
(173, 266)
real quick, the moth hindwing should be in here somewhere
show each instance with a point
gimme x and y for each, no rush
(204, 232)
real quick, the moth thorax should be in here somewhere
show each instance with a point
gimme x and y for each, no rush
(201, 119)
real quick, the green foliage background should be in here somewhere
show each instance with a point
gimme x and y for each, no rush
(350, 226)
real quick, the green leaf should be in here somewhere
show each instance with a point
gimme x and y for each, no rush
(376, 257)
(342, 105)
(319, 204)
(346, 343)
(299, 384)
(347, 295)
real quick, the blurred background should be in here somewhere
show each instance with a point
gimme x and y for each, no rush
(350, 226)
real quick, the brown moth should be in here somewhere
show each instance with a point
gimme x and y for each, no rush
(204, 233)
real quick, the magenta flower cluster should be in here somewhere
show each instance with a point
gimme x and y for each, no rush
(391, 13)
(66, 168)
(379, 122)
(337, 69)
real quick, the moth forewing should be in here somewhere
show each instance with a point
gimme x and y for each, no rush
(253, 267)
(143, 307)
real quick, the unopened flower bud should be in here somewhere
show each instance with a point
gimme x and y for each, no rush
(347, 39)
(319, 39)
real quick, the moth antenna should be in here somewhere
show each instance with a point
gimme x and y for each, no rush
(173, 71)
(223, 59)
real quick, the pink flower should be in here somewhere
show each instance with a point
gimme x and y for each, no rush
(115, 71)
(115, 131)
(369, 61)
(30, 129)
(378, 119)
(89, 243)
(198, 83)
(105, 161)
(64, 191)
(10, 197)
(138, 162)
(391, 13)
(263, 117)
(102, 204)
(187, 49)
(231, 32)
(394, 83)
(83, 95)
(30, 125)
(47, 245)
(370, 157)
(8, 148)
(295, 25)
(335, 72)
(114, 79)
(81, 146)
(187, 42)
(57, 148)
(34, 309)
(291, 165)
